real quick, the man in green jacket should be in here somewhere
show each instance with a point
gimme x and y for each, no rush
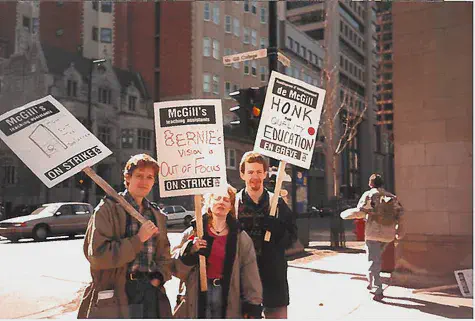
(129, 262)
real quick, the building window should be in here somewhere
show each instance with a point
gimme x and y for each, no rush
(106, 6)
(9, 174)
(59, 32)
(235, 64)
(216, 13)
(72, 88)
(227, 24)
(263, 15)
(144, 139)
(254, 68)
(341, 26)
(95, 5)
(263, 73)
(254, 6)
(35, 25)
(206, 13)
(246, 67)
(104, 135)
(206, 47)
(263, 42)
(290, 43)
(254, 37)
(341, 61)
(106, 35)
(215, 85)
(215, 49)
(246, 5)
(246, 35)
(297, 48)
(296, 73)
(231, 158)
(95, 34)
(346, 31)
(236, 26)
(304, 52)
(235, 87)
(227, 52)
(127, 138)
(132, 103)
(206, 83)
(27, 23)
(104, 95)
(227, 89)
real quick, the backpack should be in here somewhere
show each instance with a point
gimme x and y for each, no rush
(384, 209)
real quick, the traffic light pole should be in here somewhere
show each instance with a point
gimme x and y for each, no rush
(272, 52)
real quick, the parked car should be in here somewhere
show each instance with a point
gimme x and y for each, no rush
(177, 214)
(48, 220)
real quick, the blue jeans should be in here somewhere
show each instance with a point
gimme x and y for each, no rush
(374, 250)
(214, 301)
(143, 299)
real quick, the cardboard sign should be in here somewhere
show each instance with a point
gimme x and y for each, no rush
(50, 140)
(465, 282)
(190, 147)
(290, 119)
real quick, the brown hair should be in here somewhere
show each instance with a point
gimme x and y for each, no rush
(139, 160)
(207, 202)
(253, 157)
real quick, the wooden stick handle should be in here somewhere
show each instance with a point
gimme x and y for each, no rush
(112, 192)
(199, 231)
(275, 198)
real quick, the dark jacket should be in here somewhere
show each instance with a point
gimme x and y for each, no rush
(108, 251)
(242, 289)
(270, 255)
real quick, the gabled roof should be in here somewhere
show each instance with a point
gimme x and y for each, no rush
(58, 60)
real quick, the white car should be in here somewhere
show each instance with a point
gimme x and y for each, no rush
(177, 214)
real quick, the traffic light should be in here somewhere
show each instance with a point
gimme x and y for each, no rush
(82, 180)
(249, 109)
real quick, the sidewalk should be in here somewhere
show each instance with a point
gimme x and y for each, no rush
(332, 285)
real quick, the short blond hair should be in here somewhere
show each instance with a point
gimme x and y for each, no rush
(207, 200)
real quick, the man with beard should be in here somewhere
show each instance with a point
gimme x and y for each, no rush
(252, 209)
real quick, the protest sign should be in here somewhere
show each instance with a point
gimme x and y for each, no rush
(290, 119)
(190, 147)
(50, 140)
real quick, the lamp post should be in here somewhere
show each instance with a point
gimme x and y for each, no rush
(92, 63)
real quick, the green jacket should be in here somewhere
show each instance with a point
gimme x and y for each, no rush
(109, 251)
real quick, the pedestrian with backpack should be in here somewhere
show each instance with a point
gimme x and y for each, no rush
(382, 212)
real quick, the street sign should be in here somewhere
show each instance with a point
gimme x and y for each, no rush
(290, 119)
(250, 55)
(283, 59)
(190, 147)
(50, 140)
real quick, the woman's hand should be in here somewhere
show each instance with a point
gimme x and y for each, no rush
(198, 244)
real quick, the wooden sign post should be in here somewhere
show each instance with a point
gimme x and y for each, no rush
(275, 199)
(199, 231)
(111, 192)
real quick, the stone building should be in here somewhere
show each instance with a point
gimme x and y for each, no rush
(121, 114)
(433, 88)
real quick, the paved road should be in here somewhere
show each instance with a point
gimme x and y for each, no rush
(43, 279)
